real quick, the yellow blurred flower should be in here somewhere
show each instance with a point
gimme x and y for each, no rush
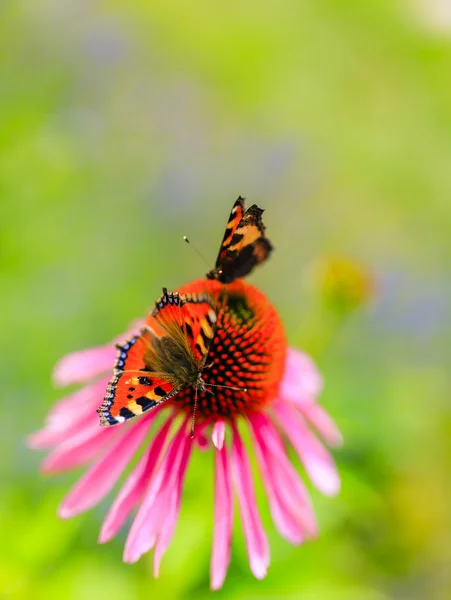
(344, 283)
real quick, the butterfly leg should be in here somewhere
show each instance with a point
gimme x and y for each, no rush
(194, 413)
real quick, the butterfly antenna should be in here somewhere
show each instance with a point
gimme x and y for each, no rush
(196, 251)
(194, 414)
(227, 387)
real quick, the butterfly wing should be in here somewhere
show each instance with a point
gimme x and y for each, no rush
(152, 368)
(188, 317)
(133, 388)
(236, 215)
(244, 245)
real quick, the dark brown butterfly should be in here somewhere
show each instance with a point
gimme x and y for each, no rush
(244, 245)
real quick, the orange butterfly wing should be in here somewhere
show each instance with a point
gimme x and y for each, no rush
(236, 215)
(133, 389)
(191, 315)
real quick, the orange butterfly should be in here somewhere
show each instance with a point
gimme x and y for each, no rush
(157, 365)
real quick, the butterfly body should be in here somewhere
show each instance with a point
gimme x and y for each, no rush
(173, 359)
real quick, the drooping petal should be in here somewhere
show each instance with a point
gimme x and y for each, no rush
(284, 520)
(64, 411)
(69, 415)
(218, 434)
(302, 380)
(79, 448)
(317, 461)
(104, 473)
(254, 534)
(323, 423)
(223, 520)
(135, 485)
(199, 436)
(82, 366)
(146, 523)
(289, 500)
(169, 517)
(174, 494)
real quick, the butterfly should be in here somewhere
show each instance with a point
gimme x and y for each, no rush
(155, 366)
(244, 245)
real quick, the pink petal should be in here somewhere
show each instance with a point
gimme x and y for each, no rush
(317, 461)
(64, 410)
(79, 448)
(203, 443)
(135, 326)
(289, 501)
(223, 520)
(283, 519)
(80, 367)
(169, 514)
(323, 423)
(148, 519)
(69, 414)
(167, 526)
(302, 380)
(296, 497)
(218, 434)
(135, 486)
(201, 439)
(101, 477)
(254, 534)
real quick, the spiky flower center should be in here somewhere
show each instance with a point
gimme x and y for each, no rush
(247, 352)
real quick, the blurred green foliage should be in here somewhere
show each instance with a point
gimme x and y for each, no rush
(125, 126)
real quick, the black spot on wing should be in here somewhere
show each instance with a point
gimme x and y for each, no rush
(146, 403)
(126, 413)
(159, 391)
(189, 330)
(236, 239)
(233, 221)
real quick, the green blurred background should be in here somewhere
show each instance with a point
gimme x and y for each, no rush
(124, 126)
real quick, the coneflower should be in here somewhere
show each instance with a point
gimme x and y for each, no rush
(280, 403)
(208, 357)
